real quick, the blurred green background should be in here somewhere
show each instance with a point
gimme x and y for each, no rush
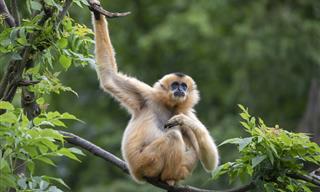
(263, 54)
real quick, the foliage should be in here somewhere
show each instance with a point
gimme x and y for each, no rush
(56, 45)
(260, 53)
(30, 142)
(270, 155)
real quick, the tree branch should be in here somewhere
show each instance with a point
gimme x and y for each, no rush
(307, 178)
(5, 12)
(15, 12)
(63, 12)
(93, 6)
(13, 75)
(98, 151)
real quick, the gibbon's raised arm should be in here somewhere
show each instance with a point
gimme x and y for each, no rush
(129, 91)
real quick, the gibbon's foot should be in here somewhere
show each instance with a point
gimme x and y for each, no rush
(171, 182)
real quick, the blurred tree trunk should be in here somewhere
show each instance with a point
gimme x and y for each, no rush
(310, 122)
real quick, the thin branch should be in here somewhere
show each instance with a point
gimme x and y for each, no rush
(15, 12)
(28, 82)
(98, 151)
(95, 150)
(96, 7)
(5, 12)
(307, 178)
(63, 12)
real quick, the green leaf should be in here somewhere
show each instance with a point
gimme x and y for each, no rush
(233, 141)
(8, 117)
(244, 142)
(76, 151)
(220, 170)
(306, 188)
(257, 160)
(270, 156)
(30, 166)
(68, 116)
(51, 145)
(40, 101)
(242, 108)
(43, 185)
(57, 122)
(245, 116)
(7, 180)
(4, 165)
(22, 41)
(54, 189)
(45, 160)
(60, 181)
(66, 152)
(6, 105)
(62, 43)
(65, 61)
(35, 5)
(245, 125)
(49, 2)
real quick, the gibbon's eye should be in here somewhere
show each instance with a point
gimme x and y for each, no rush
(184, 86)
(174, 85)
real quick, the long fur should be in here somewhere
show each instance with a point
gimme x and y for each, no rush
(149, 149)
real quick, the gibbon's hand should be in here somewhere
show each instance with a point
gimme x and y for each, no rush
(178, 120)
(94, 2)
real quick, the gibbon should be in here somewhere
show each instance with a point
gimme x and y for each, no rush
(164, 139)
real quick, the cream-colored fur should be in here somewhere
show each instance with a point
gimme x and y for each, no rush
(150, 149)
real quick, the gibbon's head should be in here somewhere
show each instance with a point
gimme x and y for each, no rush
(177, 90)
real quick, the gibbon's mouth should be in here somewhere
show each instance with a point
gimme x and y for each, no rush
(179, 94)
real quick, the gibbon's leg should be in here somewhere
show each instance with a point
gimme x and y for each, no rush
(188, 133)
(180, 159)
(208, 152)
(163, 158)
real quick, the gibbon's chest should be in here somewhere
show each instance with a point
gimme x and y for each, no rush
(153, 116)
(161, 116)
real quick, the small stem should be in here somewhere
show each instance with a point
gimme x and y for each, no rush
(15, 12)
(63, 12)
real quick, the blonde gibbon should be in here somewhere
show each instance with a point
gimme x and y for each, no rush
(164, 139)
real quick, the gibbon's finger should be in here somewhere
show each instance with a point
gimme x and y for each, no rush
(171, 124)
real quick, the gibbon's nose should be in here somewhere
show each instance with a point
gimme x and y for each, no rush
(179, 94)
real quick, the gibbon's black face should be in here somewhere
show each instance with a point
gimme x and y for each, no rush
(179, 89)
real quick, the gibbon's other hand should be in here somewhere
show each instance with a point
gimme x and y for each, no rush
(176, 120)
